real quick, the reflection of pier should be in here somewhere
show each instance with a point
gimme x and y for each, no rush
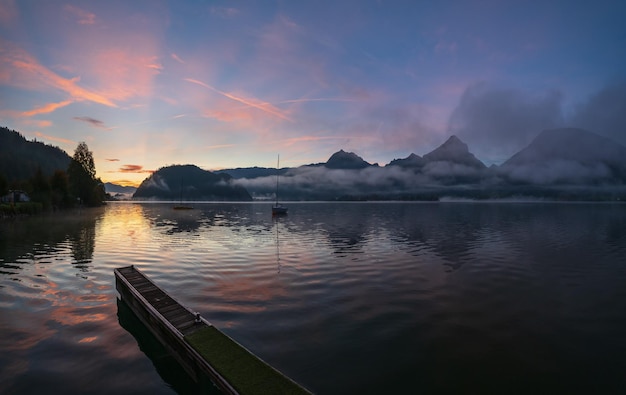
(166, 365)
(201, 349)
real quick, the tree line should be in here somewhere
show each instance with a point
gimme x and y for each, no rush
(75, 186)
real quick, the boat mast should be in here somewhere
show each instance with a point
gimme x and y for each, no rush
(277, 170)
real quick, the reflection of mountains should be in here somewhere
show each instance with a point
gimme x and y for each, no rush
(457, 232)
(162, 216)
(49, 235)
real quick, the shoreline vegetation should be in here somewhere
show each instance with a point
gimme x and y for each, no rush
(20, 209)
(29, 209)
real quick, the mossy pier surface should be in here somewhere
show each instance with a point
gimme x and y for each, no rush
(200, 348)
(244, 370)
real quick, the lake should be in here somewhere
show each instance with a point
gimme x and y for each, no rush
(368, 298)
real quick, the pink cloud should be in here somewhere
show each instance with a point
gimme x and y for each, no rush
(83, 17)
(122, 73)
(24, 71)
(177, 58)
(251, 102)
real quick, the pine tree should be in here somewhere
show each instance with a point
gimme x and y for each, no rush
(82, 176)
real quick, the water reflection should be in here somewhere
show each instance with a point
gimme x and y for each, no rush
(25, 240)
(454, 292)
(83, 243)
(167, 367)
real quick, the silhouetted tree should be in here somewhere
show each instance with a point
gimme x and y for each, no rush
(40, 189)
(60, 189)
(82, 177)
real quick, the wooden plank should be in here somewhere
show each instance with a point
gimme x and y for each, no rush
(177, 314)
(166, 309)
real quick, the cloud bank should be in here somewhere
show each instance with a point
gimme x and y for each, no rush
(498, 121)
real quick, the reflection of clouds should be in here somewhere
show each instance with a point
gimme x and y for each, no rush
(245, 295)
(19, 336)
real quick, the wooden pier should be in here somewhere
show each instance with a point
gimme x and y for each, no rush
(200, 348)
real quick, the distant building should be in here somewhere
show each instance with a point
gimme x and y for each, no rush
(15, 196)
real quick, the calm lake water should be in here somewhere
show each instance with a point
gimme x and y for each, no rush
(345, 298)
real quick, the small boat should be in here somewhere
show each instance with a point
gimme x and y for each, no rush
(182, 206)
(277, 208)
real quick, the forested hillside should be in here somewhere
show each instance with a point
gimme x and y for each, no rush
(20, 159)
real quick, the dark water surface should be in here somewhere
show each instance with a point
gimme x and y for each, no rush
(345, 298)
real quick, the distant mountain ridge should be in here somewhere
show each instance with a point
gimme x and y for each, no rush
(189, 182)
(411, 161)
(550, 163)
(110, 187)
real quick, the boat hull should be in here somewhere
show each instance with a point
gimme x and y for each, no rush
(279, 210)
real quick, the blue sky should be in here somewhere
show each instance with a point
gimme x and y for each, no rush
(225, 84)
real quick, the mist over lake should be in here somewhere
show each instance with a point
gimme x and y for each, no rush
(441, 297)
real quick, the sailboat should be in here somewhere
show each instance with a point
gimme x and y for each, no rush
(182, 206)
(277, 208)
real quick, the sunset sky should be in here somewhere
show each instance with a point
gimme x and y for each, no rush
(223, 84)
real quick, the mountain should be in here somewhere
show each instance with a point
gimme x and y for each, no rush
(20, 158)
(114, 188)
(411, 161)
(189, 182)
(252, 172)
(347, 161)
(568, 156)
(454, 151)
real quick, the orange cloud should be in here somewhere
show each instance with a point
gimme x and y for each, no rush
(46, 108)
(134, 169)
(84, 17)
(125, 183)
(38, 123)
(112, 160)
(251, 102)
(52, 138)
(23, 70)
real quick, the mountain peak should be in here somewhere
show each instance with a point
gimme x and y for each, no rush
(454, 150)
(410, 161)
(346, 160)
